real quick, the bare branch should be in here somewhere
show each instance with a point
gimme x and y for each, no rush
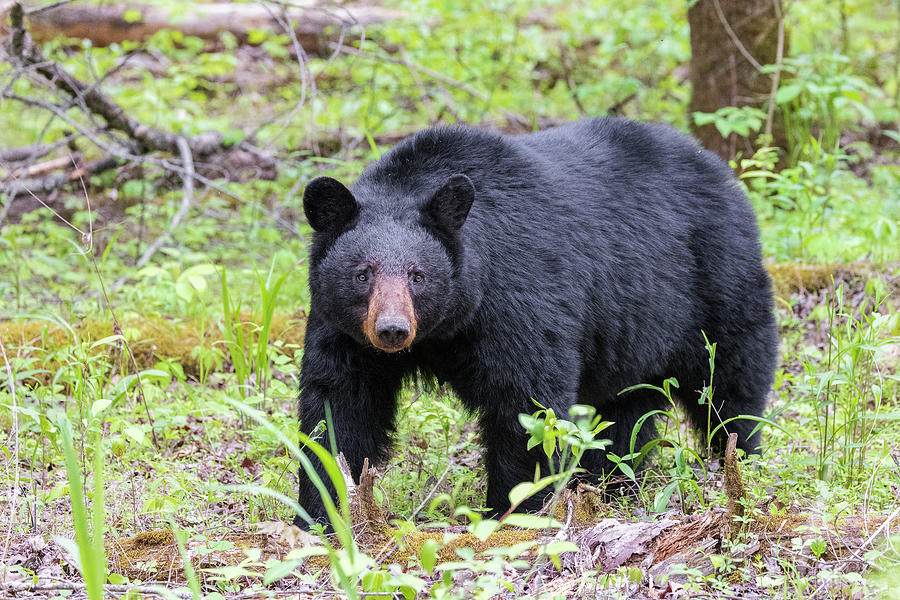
(511, 116)
(187, 199)
(776, 76)
(734, 38)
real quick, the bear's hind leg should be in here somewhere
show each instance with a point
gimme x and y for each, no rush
(624, 412)
(743, 377)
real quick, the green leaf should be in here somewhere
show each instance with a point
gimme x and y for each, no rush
(724, 127)
(527, 489)
(702, 118)
(280, 570)
(198, 282)
(787, 93)
(661, 500)
(484, 528)
(100, 405)
(108, 340)
(512, 552)
(306, 551)
(256, 36)
(131, 15)
(215, 546)
(70, 546)
(184, 290)
(520, 492)
(428, 555)
(202, 269)
(554, 549)
(90, 557)
(549, 445)
(531, 521)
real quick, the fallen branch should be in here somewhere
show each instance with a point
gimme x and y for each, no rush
(45, 167)
(30, 152)
(50, 183)
(123, 139)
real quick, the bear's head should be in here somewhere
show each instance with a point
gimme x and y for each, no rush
(382, 269)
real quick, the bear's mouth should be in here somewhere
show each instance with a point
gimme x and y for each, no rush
(391, 349)
(390, 323)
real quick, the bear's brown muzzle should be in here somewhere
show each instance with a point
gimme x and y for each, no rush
(390, 323)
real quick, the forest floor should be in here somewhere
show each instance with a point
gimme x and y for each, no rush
(799, 533)
(163, 324)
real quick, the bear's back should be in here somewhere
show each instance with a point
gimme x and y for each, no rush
(583, 163)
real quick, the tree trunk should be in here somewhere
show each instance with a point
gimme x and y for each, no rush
(730, 39)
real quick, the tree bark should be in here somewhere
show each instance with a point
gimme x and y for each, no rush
(730, 39)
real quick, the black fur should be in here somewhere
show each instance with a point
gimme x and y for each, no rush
(592, 257)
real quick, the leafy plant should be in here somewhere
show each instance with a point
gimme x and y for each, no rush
(847, 390)
(245, 359)
(563, 442)
(743, 120)
(819, 97)
(349, 564)
(88, 549)
(684, 477)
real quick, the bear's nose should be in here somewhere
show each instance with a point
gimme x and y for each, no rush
(392, 331)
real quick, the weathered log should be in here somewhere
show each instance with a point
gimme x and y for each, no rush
(105, 25)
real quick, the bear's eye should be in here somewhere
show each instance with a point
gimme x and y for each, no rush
(362, 277)
(417, 278)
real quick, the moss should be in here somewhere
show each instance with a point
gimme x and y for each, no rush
(154, 556)
(150, 339)
(588, 504)
(157, 537)
(781, 524)
(500, 539)
(791, 278)
(150, 555)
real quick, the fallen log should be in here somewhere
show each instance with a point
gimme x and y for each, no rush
(104, 25)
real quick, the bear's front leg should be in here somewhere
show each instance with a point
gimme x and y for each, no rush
(361, 391)
(507, 459)
(508, 463)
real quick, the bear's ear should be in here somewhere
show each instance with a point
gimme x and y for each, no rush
(450, 205)
(328, 204)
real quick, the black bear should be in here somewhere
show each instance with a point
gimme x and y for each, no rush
(561, 266)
